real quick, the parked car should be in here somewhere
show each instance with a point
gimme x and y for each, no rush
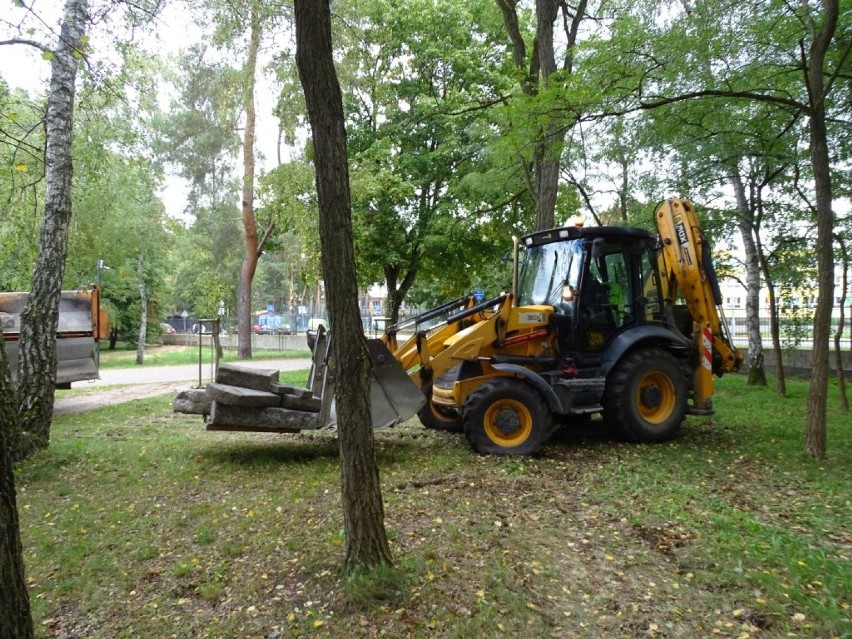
(266, 329)
(271, 323)
(167, 329)
(272, 329)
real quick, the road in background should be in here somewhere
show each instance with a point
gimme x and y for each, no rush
(152, 381)
(183, 372)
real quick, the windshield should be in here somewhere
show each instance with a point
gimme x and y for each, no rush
(546, 269)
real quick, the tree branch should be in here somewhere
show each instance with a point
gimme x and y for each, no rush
(837, 74)
(587, 199)
(517, 196)
(269, 227)
(30, 43)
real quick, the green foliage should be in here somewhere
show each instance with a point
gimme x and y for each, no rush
(117, 213)
(21, 186)
(441, 140)
(414, 80)
(291, 266)
(198, 136)
(796, 326)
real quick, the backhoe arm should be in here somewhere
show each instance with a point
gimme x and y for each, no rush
(687, 268)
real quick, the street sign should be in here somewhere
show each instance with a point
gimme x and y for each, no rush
(478, 294)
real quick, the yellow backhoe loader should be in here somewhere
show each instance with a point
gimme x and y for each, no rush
(607, 320)
(600, 320)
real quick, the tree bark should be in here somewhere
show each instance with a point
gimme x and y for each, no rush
(252, 246)
(543, 180)
(815, 440)
(366, 544)
(143, 310)
(397, 290)
(37, 362)
(15, 617)
(756, 371)
(774, 324)
(549, 146)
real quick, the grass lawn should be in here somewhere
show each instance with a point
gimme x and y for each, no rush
(124, 356)
(139, 523)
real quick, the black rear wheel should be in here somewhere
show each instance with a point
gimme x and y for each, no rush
(646, 395)
(506, 417)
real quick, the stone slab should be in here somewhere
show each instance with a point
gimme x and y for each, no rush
(261, 420)
(241, 396)
(284, 389)
(255, 378)
(193, 401)
(310, 404)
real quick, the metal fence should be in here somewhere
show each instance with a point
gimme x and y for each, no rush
(796, 330)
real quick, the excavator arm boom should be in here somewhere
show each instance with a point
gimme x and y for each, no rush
(687, 269)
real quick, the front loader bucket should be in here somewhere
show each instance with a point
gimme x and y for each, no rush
(393, 396)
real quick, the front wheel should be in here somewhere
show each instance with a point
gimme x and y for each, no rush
(646, 395)
(506, 417)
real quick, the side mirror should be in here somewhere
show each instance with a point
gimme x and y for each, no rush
(597, 247)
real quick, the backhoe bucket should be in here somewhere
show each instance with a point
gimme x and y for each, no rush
(394, 398)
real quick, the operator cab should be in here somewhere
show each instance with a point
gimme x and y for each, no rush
(599, 280)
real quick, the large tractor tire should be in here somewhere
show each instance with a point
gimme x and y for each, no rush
(646, 395)
(436, 417)
(507, 417)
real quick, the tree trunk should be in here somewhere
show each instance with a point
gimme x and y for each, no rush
(774, 322)
(775, 333)
(815, 440)
(15, 618)
(756, 371)
(252, 247)
(363, 510)
(143, 311)
(549, 145)
(397, 291)
(37, 361)
(217, 345)
(543, 182)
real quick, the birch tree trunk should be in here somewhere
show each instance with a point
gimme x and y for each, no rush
(756, 371)
(366, 543)
(37, 360)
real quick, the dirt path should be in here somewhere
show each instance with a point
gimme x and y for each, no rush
(140, 383)
(112, 396)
